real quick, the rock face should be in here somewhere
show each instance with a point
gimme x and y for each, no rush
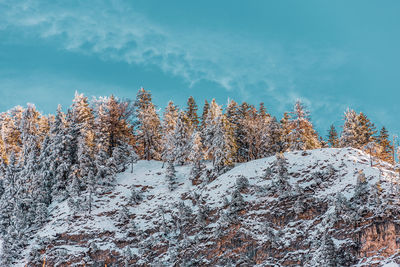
(326, 207)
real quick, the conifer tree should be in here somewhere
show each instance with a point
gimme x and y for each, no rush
(170, 175)
(237, 202)
(9, 197)
(60, 146)
(263, 122)
(191, 114)
(244, 133)
(181, 139)
(196, 156)
(113, 122)
(272, 138)
(323, 143)
(84, 121)
(386, 148)
(361, 190)
(254, 125)
(170, 118)
(325, 254)
(148, 127)
(10, 132)
(366, 130)
(91, 188)
(233, 117)
(43, 182)
(280, 179)
(358, 130)
(204, 115)
(333, 139)
(3, 154)
(169, 125)
(27, 181)
(230, 142)
(302, 135)
(29, 127)
(286, 128)
(349, 134)
(219, 138)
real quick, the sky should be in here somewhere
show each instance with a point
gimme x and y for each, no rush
(332, 55)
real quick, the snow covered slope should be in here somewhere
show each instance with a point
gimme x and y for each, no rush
(330, 208)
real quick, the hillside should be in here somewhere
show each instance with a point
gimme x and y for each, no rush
(325, 207)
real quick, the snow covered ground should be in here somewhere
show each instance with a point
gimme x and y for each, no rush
(103, 228)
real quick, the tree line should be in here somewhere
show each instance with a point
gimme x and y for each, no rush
(75, 155)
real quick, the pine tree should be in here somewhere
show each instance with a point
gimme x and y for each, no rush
(10, 131)
(280, 178)
(148, 127)
(3, 154)
(191, 114)
(271, 138)
(254, 124)
(245, 132)
(29, 128)
(169, 125)
(333, 139)
(113, 122)
(302, 135)
(326, 254)
(9, 197)
(349, 137)
(286, 129)
(329, 252)
(361, 190)
(204, 115)
(196, 156)
(181, 139)
(61, 161)
(83, 121)
(358, 130)
(265, 132)
(91, 192)
(237, 202)
(170, 175)
(43, 182)
(218, 138)
(366, 130)
(74, 190)
(386, 148)
(27, 182)
(233, 117)
(170, 118)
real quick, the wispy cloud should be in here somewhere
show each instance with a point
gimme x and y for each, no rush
(47, 90)
(113, 30)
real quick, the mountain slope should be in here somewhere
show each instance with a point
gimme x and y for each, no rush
(326, 207)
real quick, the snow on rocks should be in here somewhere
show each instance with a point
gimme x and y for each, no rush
(246, 215)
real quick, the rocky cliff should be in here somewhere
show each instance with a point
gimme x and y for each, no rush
(326, 207)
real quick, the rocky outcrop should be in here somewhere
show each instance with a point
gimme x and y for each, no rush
(326, 207)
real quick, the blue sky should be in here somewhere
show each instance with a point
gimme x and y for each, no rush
(330, 54)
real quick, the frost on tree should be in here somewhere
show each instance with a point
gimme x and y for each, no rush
(301, 135)
(196, 157)
(148, 127)
(170, 175)
(218, 139)
(280, 180)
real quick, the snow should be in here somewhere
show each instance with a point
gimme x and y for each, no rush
(148, 177)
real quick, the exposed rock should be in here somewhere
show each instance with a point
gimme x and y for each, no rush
(329, 208)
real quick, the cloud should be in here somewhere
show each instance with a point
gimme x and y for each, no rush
(47, 90)
(113, 30)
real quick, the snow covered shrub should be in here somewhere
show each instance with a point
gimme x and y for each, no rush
(242, 183)
(136, 197)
